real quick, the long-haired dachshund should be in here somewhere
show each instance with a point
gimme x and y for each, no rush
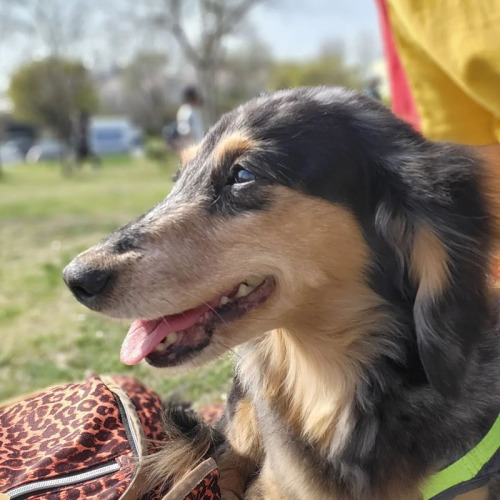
(345, 258)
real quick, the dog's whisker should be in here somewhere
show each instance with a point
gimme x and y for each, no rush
(228, 348)
(165, 320)
(206, 304)
(215, 201)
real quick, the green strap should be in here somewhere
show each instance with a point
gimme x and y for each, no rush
(467, 467)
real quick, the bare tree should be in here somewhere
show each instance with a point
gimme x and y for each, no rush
(146, 87)
(218, 20)
(7, 27)
(55, 30)
(50, 92)
(3, 36)
(11, 26)
(57, 25)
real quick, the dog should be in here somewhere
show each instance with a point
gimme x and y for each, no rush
(345, 259)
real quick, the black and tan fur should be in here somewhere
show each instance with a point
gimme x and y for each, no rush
(376, 361)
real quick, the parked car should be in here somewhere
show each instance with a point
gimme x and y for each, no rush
(47, 149)
(22, 135)
(114, 136)
(106, 137)
(10, 154)
(22, 144)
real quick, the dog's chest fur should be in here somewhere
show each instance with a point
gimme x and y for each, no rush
(306, 431)
(319, 441)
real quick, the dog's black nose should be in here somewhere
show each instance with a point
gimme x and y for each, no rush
(85, 282)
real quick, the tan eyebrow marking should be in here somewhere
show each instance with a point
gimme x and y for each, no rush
(232, 145)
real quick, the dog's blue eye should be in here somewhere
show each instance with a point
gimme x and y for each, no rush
(241, 175)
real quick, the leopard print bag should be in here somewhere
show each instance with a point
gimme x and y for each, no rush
(87, 440)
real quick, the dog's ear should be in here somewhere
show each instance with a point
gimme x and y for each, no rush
(449, 307)
(443, 245)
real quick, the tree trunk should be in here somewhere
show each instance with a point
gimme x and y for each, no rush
(1, 142)
(208, 87)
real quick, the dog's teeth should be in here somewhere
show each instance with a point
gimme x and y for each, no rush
(243, 290)
(254, 281)
(167, 342)
(224, 300)
(171, 339)
(161, 347)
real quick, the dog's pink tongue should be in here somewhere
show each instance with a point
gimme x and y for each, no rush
(144, 335)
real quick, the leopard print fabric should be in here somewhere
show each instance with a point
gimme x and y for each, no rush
(64, 430)
(208, 489)
(74, 428)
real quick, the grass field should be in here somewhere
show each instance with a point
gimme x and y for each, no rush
(45, 220)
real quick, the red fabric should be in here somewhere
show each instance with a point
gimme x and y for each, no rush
(403, 104)
(212, 413)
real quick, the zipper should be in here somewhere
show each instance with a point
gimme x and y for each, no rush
(62, 482)
(129, 428)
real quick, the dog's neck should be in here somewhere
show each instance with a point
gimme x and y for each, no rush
(311, 377)
(309, 370)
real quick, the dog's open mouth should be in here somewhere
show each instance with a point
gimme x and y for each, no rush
(167, 341)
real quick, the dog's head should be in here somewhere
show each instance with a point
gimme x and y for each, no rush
(301, 210)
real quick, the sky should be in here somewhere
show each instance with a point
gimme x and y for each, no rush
(292, 29)
(297, 29)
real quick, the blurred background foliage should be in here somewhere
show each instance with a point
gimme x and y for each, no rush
(127, 63)
(48, 91)
(121, 57)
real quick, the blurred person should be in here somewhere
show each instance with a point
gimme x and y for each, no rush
(372, 89)
(188, 129)
(444, 67)
(189, 119)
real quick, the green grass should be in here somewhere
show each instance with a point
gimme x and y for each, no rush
(45, 220)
